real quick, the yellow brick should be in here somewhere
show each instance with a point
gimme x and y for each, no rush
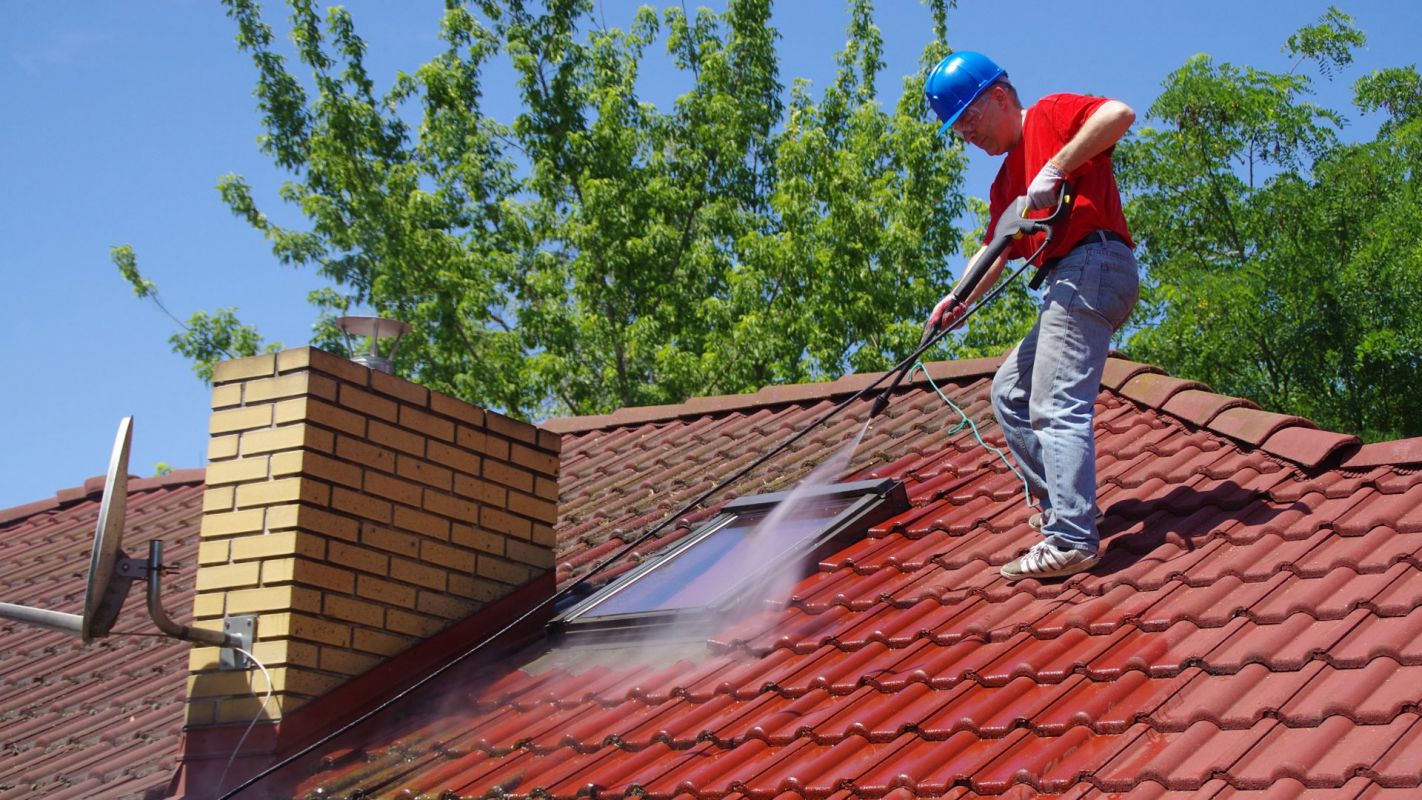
(244, 709)
(237, 471)
(281, 517)
(273, 599)
(361, 505)
(480, 589)
(278, 570)
(286, 651)
(429, 474)
(293, 359)
(286, 490)
(490, 494)
(240, 419)
(382, 591)
(203, 658)
(274, 545)
(456, 408)
(219, 447)
(408, 519)
(520, 503)
(402, 440)
(495, 447)
(390, 541)
(496, 520)
(427, 424)
(508, 475)
(353, 610)
(399, 388)
(545, 488)
(382, 644)
(310, 682)
(502, 571)
(471, 439)
(210, 605)
(232, 522)
(451, 558)
(319, 412)
(536, 460)
(267, 389)
(452, 458)
(365, 454)
(392, 488)
(453, 507)
(219, 499)
(550, 441)
(326, 523)
(359, 558)
(200, 713)
(538, 557)
(226, 576)
(242, 369)
(368, 404)
(319, 466)
(346, 662)
(475, 539)
(321, 631)
(225, 396)
(214, 552)
(315, 573)
(545, 535)
(418, 574)
(233, 683)
(342, 368)
(268, 440)
(410, 623)
(511, 428)
(445, 605)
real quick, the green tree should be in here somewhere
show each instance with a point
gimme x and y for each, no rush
(1279, 266)
(596, 251)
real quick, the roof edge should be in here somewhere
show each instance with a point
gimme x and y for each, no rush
(771, 395)
(94, 488)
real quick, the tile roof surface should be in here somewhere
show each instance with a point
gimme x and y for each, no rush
(100, 720)
(1254, 628)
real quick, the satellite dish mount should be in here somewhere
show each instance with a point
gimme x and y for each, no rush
(112, 572)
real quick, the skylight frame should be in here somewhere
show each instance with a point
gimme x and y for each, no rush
(873, 501)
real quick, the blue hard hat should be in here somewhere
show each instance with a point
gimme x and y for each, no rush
(957, 81)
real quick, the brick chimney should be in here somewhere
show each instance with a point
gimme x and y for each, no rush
(355, 514)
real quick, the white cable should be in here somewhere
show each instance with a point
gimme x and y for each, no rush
(260, 711)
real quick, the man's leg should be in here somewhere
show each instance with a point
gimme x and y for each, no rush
(1089, 295)
(1011, 393)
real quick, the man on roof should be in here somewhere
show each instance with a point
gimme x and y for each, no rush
(1045, 391)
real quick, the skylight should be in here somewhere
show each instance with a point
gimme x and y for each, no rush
(728, 558)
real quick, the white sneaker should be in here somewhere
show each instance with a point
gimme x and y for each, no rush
(1046, 560)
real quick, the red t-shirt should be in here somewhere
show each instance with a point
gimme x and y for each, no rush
(1049, 125)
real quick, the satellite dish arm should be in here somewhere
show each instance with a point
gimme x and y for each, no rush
(166, 623)
(71, 624)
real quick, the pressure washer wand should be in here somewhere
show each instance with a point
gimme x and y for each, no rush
(1013, 224)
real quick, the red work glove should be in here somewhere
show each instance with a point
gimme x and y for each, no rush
(948, 314)
(1042, 193)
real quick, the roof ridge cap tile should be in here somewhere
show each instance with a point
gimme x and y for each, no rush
(93, 488)
(769, 395)
(1120, 370)
(1396, 452)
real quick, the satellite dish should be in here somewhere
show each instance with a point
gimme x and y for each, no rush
(111, 572)
(106, 591)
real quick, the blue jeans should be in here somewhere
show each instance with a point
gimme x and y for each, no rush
(1044, 394)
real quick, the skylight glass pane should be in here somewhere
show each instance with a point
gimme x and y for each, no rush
(698, 575)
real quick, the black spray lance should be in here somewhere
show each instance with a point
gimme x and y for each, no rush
(1013, 224)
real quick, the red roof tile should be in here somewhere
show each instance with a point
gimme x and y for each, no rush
(100, 720)
(1253, 630)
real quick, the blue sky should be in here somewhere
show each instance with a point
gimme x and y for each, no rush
(121, 117)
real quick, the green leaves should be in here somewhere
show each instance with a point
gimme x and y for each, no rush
(1278, 267)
